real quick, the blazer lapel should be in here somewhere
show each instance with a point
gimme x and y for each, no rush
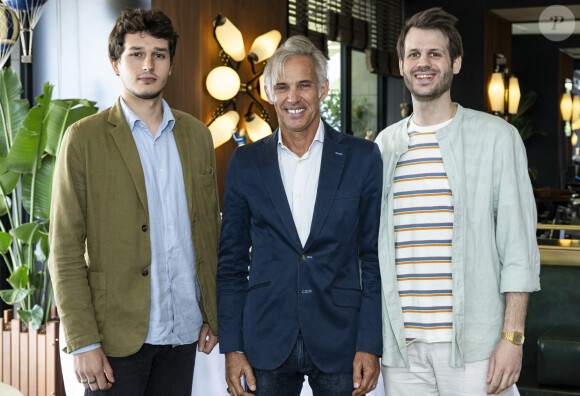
(270, 171)
(121, 133)
(334, 155)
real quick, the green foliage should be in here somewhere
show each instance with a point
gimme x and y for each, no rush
(330, 109)
(361, 111)
(29, 144)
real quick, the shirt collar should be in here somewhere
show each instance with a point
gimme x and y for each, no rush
(132, 119)
(318, 137)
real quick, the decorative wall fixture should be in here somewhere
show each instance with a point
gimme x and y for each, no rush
(570, 109)
(504, 89)
(224, 83)
(28, 13)
(9, 29)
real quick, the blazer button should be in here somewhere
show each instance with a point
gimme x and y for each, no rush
(145, 272)
(303, 257)
(144, 227)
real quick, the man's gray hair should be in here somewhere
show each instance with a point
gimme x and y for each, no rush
(294, 46)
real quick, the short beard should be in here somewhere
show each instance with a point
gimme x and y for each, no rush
(147, 96)
(443, 86)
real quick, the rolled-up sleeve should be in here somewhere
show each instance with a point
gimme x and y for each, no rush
(515, 212)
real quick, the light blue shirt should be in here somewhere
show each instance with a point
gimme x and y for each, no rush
(175, 317)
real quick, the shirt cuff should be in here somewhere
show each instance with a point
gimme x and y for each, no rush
(86, 348)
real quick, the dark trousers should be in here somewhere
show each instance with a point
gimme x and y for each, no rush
(156, 370)
(287, 379)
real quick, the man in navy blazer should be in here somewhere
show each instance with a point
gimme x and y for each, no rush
(298, 274)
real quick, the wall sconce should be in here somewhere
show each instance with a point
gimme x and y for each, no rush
(570, 108)
(224, 83)
(501, 98)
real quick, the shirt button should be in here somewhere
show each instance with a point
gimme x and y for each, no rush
(303, 257)
(145, 272)
(144, 227)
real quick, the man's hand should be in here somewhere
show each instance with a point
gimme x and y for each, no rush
(236, 366)
(207, 340)
(365, 373)
(93, 368)
(505, 364)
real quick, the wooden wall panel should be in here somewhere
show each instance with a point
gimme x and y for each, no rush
(197, 54)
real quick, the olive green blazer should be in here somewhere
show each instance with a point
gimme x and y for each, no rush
(100, 254)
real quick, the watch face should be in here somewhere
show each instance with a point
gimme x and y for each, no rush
(517, 338)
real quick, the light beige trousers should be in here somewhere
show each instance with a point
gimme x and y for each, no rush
(429, 374)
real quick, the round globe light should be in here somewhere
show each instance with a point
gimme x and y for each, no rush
(223, 83)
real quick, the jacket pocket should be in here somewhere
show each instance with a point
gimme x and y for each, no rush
(259, 285)
(347, 194)
(98, 296)
(207, 179)
(346, 297)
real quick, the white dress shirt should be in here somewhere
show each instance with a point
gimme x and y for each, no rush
(300, 179)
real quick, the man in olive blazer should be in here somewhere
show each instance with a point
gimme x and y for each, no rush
(103, 226)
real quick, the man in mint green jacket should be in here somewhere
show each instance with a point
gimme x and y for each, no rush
(457, 244)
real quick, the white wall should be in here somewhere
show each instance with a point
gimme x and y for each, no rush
(70, 49)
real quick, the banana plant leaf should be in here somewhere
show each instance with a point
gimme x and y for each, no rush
(63, 114)
(30, 141)
(5, 242)
(4, 207)
(8, 179)
(33, 316)
(27, 233)
(42, 189)
(21, 287)
(12, 110)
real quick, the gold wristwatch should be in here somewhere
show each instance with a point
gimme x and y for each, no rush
(515, 337)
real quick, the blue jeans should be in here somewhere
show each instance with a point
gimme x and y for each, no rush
(287, 379)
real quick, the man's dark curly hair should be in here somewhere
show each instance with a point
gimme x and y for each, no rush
(154, 23)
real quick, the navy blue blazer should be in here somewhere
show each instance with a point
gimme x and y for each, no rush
(330, 289)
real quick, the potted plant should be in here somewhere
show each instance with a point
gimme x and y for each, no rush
(30, 141)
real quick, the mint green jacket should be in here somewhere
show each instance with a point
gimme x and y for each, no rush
(100, 254)
(494, 232)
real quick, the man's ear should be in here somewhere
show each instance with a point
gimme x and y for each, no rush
(115, 66)
(324, 91)
(457, 65)
(401, 66)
